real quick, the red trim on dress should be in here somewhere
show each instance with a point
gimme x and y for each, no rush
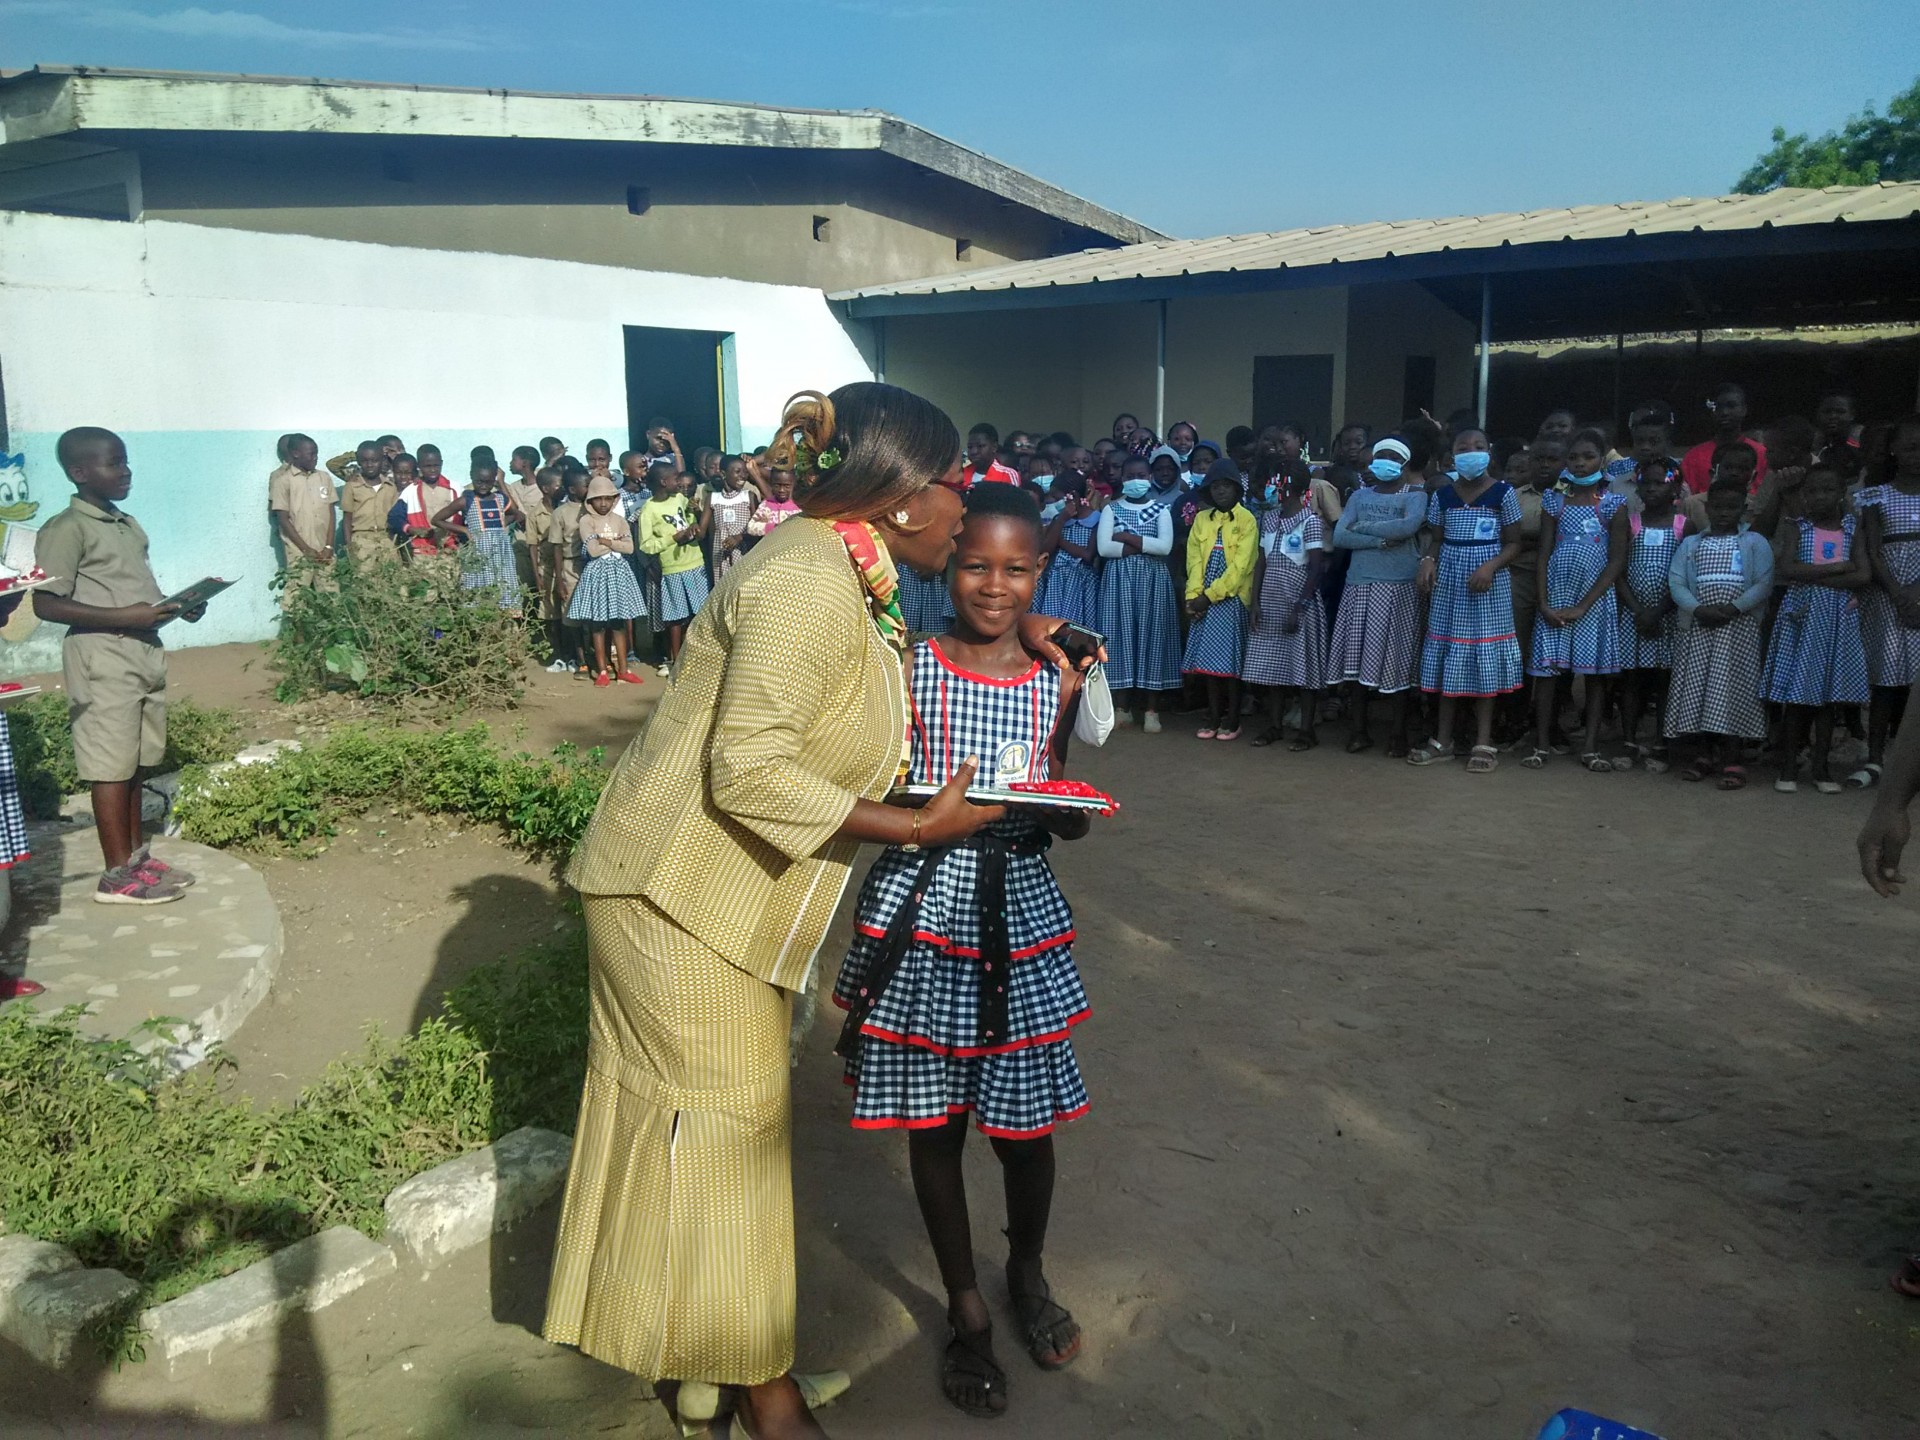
(941, 942)
(996, 1132)
(946, 664)
(976, 1052)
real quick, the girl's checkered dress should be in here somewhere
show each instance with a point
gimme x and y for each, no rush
(1139, 613)
(489, 560)
(1591, 645)
(1376, 636)
(1816, 656)
(606, 593)
(730, 516)
(924, 604)
(1471, 648)
(1893, 650)
(13, 820)
(682, 594)
(1649, 553)
(1072, 588)
(1716, 668)
(1297, 661)
(924, 1052)
(1217, 641)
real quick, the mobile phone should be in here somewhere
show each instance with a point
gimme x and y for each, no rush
(1081, 644)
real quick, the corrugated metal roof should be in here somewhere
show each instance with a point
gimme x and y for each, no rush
(1390, 239)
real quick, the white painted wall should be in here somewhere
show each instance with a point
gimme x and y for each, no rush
(201, 346)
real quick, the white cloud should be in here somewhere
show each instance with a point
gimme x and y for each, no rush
(193, 22)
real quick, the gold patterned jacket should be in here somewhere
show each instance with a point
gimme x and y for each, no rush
(786, 705)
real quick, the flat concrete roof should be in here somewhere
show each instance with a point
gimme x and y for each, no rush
(59, 103)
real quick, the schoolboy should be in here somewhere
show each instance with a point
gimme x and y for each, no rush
(115, 670)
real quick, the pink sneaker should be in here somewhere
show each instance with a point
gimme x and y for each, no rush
(128, 886)
(156, 869)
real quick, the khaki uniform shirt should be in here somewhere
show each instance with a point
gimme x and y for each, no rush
(563, 531)
(97, 558)
(722, 812)
(307, 498)
(367, 506)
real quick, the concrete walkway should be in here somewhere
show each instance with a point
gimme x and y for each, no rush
(206, 959)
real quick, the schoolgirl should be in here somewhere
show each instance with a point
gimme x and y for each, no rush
(729, 511)
(1287, 643)
(1721, 581)
(778, 506)
(960, 983)
(1890, 610)
(1139, 613)
(1376, 632)
(1471, 651)
(608, 597)
(1815, 658)
(1583, 548)
(670, 533)
(1646, 617)
(484, 516)
(1221, 551)
(1070, 588)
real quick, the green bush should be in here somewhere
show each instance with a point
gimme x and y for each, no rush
(403, 636)
(297, 801)
(42, 738)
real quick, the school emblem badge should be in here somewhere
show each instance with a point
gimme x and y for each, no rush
(1012, 762)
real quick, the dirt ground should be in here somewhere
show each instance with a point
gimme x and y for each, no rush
(1423, 1105)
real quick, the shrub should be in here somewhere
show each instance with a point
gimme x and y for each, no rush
(402, 636)
(42, 738)
(298, 800)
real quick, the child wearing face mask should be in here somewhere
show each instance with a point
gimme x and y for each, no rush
(1070, 585)
(1721, 582)
(1220, 564)
(1816, 659)
(1287, 646)
(1647, 616)
(1139, 611)
(1376, 631)
(1583, 549)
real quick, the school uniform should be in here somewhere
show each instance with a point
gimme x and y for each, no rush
(1893, 650)
(365, 506)
(1221, 549)
(1376, 632)
(1471, 650)
(308, 500)
(1650, 551)
(1139, 611)
(1582, 538)
(1816, 655)
(116, 680)
(490, 547)
(1295, 661)
(1716, 669)
(1070, 586)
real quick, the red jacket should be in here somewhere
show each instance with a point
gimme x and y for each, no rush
(996, 471)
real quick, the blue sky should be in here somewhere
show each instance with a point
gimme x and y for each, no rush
(1198, 118)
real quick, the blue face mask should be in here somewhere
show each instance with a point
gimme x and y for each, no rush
(1384, 470)
(1136, 489)
(1273, 494)
(1583, 481)
(1045, 482)
(1471, 464)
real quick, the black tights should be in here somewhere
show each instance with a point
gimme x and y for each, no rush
(1026, 1171)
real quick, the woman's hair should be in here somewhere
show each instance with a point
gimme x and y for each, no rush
(1590, 436)
(863, 450)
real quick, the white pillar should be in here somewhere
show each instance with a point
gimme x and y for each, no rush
(1486, 344)
(1160, 376)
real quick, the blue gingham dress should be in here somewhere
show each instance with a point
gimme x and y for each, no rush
(1716, 669)
(924, 604)
(1217, 641)
(1297, 661)
(1592, 645)
(1471, 648)
(1072, 586)
(1649, 555)
(1893, 651)
(13, 819)
(921, 1057)
(1816, 655)
(489, 559)
(607, 591)
(1139, 612)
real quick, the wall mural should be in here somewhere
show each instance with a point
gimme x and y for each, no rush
(17, 539)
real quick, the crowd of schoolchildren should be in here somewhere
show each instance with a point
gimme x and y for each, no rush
(1746, 597)
(613, 556)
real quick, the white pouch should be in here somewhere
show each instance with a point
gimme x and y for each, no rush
(1093, 721)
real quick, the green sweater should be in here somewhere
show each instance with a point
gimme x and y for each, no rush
(659, 520)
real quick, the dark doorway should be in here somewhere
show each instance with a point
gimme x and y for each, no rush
(683, 375)
(1295, 390)
(1418, 384)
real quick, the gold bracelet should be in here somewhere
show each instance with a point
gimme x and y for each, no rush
(913, 841)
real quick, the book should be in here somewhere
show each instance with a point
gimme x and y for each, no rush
(196, 594)
(1082, 799)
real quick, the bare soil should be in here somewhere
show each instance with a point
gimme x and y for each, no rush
(1424, 1104)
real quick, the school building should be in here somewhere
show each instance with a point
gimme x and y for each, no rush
(204, 262)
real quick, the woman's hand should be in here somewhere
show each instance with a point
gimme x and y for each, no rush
(1881, 840)
(1036, 638)
(1424, 577)
(949, 816)
(1481, 580)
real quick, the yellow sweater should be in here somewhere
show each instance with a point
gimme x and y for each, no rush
(1239, 533)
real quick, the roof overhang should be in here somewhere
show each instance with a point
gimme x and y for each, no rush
(60, 103)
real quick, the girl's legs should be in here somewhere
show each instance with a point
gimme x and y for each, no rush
(1443, 724)
(620, 648)
(599, 649)
(1597, 688)
(1359, 737)
(1879, 721)
(1026, 1172)
(1482, 722)
(1797, 719)
(676, 631)
(939, 1184)
(1823, 718)
(1546, 698)
(1396, 723)
(1230, 717)
(1632, 701)
(1306, 739)
(1215, 688)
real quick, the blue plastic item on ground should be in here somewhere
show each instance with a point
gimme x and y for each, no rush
(1579, 1425)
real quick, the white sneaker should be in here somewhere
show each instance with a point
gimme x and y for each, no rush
(559, 667)
(663, 670)
(1152, 723)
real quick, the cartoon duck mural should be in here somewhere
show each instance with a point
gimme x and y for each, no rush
(17, 538)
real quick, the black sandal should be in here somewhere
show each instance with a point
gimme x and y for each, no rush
(969, 1364)
(1042, 1322)
(1358, 744)
(1268, 736)
(1305, 741)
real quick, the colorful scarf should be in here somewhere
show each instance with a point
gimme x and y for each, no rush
(877, 573)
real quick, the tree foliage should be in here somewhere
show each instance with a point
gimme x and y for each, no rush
(1869, 148)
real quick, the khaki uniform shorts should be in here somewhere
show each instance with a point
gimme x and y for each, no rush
(117, 698)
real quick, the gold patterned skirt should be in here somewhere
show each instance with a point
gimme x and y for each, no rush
(675, 1254)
